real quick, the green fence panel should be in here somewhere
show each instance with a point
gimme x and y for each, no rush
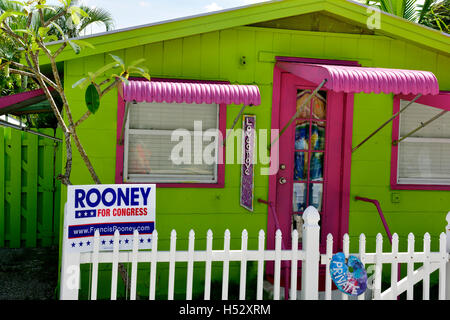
(29, 209)
(2, 186)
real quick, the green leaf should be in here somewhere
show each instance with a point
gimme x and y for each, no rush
(83, 44)
(136, 62)
(8, 14)
(50, 38)
(92, 98)
(147, 76)
(118, 60)
(24, 31)
(43, 31)
(124, 80)
(18, 3)
(60, 30)
(79, 11)
(43, 6)
(75, 47)
(105, 68)
(80, 82)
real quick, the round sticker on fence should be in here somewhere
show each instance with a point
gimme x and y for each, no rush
(348, 275)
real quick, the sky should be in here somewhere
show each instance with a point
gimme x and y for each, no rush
(128, 13)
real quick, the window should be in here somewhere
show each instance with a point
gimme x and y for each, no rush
(422, 158)
(171, 143)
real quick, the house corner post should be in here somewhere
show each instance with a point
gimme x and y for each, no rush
(310, 266)
(447, 268)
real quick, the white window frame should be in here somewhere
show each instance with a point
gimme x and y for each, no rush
(165, 178)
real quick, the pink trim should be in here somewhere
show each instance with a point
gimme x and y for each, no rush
(6, 101)
(346, 163)
(189, 92)
(221, 166)
(119, 147)
(441, 101)
(272, 197)
(386, 226)
(351, 79)
(336, 208)
(337, 162)
(318, 61)
(380, 212)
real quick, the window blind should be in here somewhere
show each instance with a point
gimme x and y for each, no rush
(172, 116)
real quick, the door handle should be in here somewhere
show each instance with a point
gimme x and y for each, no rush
(282, 180)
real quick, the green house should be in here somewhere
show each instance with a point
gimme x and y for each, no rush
(374, 65)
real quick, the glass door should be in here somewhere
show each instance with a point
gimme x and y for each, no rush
(314, 158)
(309, 154)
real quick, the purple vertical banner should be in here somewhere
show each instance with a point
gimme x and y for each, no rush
(247, 166)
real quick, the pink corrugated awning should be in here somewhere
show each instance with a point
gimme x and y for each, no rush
(190, 92)
(351, 79)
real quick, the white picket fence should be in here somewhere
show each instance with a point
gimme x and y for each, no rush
(309, 256)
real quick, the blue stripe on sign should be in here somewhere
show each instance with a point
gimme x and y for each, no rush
(108, 229)
(85, 214)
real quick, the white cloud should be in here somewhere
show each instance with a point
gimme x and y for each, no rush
(213, 7)
(144, 4)
(245, 2)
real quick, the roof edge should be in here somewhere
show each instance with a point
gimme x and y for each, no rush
(233, 17)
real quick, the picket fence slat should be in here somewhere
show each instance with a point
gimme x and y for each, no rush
(444, 267)
(431, 261)
(394, 266)
(153, 261)
(410, 267)
(134, 263)
(327, 261)
(426, 266)
(260, 276)
(115, 265)
(346, 250)
(190, 266)
(208, 260)
(243, 276)
(294, 249)
(378, 267)
(94, 279)
(226, 264)
(173, 248)
(362, 256)
(276, 290)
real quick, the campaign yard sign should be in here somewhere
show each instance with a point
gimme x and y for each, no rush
(107, 208)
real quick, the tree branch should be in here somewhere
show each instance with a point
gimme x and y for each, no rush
(41, 16)
(57, 52)
(101, 94)
(32, 74)
(54, 18)
(22, 73)
(11, 33)
(40, 79)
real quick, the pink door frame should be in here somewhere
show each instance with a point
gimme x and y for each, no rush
(337, 162)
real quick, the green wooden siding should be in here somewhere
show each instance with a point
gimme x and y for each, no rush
(216, 56)
(29, 195)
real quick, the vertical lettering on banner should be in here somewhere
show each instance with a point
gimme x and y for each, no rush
(248, 163)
